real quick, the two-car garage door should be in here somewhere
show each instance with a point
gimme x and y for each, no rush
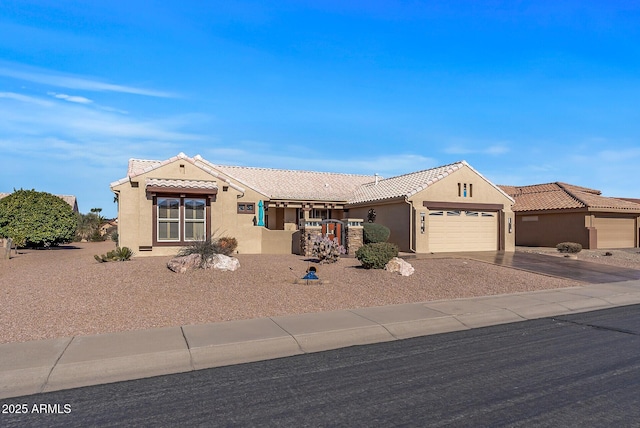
(459, 230)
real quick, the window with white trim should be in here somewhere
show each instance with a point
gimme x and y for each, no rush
(194, 219)
(168, 219)
(181, 219)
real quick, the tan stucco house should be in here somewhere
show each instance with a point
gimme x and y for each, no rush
(163, 205)
(547, 214)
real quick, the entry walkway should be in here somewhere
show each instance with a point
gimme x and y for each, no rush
(577, 270)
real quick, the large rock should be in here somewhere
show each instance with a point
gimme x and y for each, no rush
(398, 265)
(181, 264)
(222, 262)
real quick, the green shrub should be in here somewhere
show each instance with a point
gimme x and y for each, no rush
(374, 232)
(569, 247)
(36, 219)
(327, 250)
(96, 237)
(118, 255)
(376, 255)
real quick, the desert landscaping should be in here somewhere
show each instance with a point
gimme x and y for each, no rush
(64, 291)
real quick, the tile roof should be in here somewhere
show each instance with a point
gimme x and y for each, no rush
(403, 185)
(285, 184)
(634, 200)
(554, 196)
(143, 166)
(295, 184)
(181, 184)
(408, 185)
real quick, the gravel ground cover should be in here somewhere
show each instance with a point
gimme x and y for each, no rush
(65, 292)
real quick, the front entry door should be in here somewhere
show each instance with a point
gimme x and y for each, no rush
(333, 229)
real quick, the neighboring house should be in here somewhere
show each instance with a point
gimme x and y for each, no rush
(70, 199)
(108, 227)
(547, 214)
(163, 205)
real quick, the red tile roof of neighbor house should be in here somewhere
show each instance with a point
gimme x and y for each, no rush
(557, 196)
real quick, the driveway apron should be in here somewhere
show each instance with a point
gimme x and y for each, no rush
(577, 270)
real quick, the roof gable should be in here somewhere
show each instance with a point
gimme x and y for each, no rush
(138, 167)
(407, 185)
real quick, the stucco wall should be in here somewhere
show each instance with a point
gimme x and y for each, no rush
(547, 230)
(479, 191)
(280, 241)
(396, 216)
(135, 216)
(403, 218)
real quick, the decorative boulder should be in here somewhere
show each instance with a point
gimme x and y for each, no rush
(181, 264)
(396, 264)
(222, 262)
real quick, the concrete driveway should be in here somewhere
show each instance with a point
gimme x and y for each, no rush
(577, 270)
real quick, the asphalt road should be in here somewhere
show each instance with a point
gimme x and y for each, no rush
(571, 371)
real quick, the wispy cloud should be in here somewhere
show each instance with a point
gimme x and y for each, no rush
(53, 78)
(25, 99)
(71, 98)
(77, 121)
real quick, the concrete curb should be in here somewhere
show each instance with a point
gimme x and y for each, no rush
(55, 364)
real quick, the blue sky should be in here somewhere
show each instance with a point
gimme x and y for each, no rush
(527, 92)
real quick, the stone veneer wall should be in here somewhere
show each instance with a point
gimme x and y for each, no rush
(355, 235)
(309, 230)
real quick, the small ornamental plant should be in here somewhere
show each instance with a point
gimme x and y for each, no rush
(226, 245)
(569, 247)
(376, 255)
(206, 248)
(327, 250)
(118, 255)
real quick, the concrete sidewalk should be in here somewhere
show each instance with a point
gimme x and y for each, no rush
(50, 365)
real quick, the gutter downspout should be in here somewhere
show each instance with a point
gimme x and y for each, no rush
(412, 226)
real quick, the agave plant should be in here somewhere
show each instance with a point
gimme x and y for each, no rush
(118, 255)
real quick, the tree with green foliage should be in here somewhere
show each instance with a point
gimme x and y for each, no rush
(36, 219)
(89, 225)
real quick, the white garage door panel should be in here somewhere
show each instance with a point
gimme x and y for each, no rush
(467, 231)
(615, 232)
